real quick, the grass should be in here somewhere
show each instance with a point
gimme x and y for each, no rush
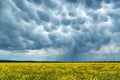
(59, 71)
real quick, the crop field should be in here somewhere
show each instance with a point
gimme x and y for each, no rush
(59, 71)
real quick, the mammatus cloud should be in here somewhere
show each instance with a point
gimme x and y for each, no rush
(65, 30)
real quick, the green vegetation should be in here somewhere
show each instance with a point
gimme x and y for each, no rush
(59, 71)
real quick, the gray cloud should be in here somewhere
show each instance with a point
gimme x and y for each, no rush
(79, 29)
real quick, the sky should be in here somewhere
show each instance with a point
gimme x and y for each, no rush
(60, 30)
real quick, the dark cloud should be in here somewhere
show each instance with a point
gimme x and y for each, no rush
(107, 1)
(43, 16)
(94, 4)
(72, 1)
(50, 4)
(38, 2)
(55, 21)
(66, 30)
(21, 5)
(66, 22)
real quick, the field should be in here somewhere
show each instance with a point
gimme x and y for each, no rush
(59, 71)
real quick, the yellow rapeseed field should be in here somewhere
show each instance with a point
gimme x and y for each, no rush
(59, 71)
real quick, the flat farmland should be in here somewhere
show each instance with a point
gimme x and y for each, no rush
(59, 71)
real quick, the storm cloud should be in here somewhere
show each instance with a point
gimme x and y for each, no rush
(64, 30)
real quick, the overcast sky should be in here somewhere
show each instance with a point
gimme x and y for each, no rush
(60, 30)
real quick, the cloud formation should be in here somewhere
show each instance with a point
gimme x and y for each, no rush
(65, 30)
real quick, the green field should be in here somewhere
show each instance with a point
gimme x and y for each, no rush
(59, 71)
